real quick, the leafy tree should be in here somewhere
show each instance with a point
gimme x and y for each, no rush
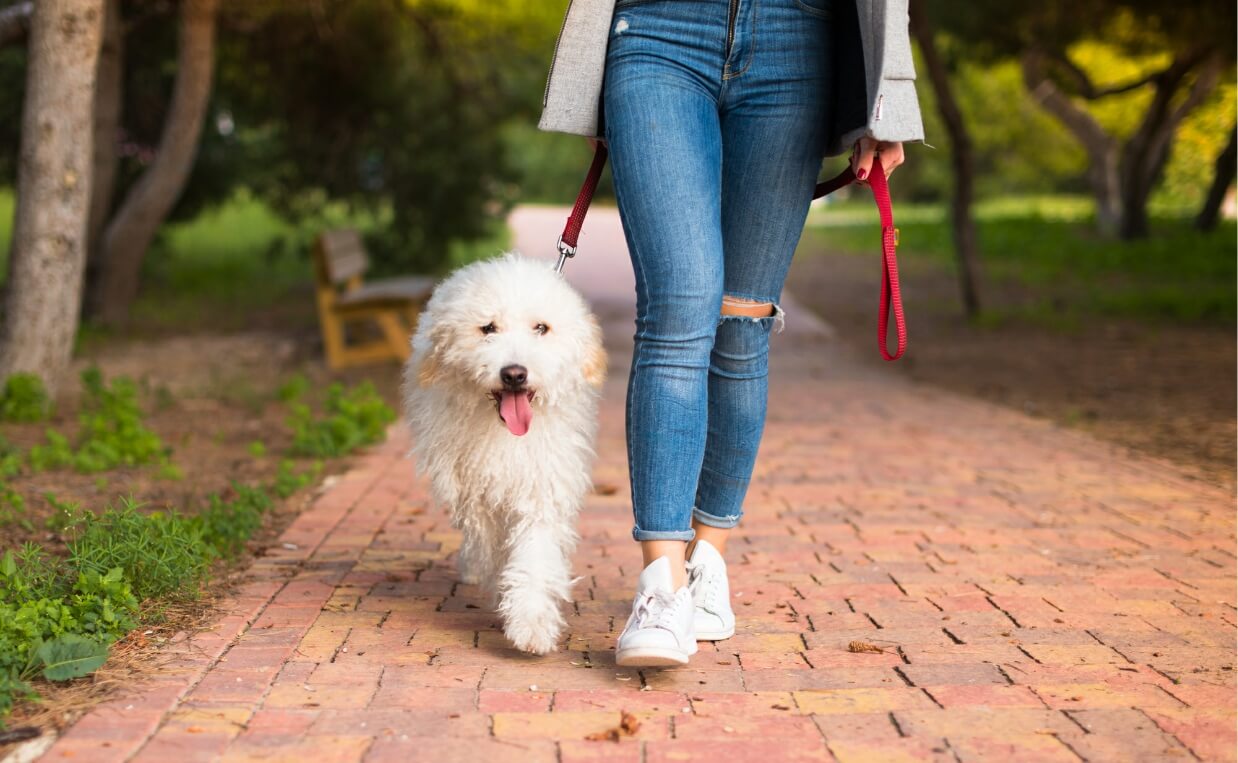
(1180, 50)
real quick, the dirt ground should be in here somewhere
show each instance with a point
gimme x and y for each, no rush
(1168, 391)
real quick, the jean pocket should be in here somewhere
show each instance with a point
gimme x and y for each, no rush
(621, 4)
(820, 8)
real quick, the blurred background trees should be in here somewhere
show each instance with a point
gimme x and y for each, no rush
(415, 119)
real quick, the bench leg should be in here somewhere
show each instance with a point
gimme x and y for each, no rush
(397, 334)
(333, 340)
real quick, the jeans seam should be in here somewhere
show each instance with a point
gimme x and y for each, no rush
(752, 53)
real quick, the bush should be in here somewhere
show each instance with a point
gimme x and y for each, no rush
(112, 432)
(35, 611)
(289, 481)
(163, 554)
(24, 399)
(354, 417)
(226, 525)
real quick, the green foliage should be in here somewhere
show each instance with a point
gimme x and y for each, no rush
(30, 573)
(100, 607)
(294, 389)
(13, 508)
(13, 690)
(164, 554)
(226, 525)
(257, 448)
(10, 459)
(70, 656)
(353, 418)
(288, 480)
(24, 399)
(112, 432)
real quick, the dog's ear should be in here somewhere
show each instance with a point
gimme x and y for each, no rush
(595, 356)
(431, 368)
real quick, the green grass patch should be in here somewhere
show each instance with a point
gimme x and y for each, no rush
(1050, 245)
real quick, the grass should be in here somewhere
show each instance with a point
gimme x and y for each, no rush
(1050, 246)
(7, 199)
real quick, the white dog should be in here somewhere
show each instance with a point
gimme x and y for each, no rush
(501, 397)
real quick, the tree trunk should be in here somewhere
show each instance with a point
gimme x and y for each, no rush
(144, 209)
(1221, 181)
(15, 22)
(1123, 176)
(108, 104)
(43, 295)
(1102, 149)
(961, 157)
(1147, 151)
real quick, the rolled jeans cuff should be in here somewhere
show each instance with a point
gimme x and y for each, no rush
(643, 535)
(722, 523)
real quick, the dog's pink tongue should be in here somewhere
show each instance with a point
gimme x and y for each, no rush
(516, 412)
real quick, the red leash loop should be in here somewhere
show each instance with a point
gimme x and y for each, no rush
(891, 296)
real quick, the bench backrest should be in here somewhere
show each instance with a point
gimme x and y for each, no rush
(341, 255)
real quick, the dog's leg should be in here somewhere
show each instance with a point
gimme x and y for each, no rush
(475, 562)
(535, 583)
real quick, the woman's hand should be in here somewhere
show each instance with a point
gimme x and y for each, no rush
(865, 149)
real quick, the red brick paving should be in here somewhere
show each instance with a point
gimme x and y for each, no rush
(1039, 596)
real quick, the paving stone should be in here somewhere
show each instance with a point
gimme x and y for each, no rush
(1038, 595)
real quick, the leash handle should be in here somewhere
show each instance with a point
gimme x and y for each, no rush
(891, 295)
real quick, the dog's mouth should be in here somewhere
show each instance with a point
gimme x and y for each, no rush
(515, 408)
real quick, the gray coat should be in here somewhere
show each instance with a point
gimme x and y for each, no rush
(870, 36)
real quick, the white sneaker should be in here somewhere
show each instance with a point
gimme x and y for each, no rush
(659, 630)
(711, 593)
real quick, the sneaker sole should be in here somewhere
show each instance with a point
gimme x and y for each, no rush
(715, 635)
(650, 657)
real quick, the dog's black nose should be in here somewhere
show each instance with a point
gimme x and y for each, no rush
(514, 376)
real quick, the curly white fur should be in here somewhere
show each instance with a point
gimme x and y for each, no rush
(515, 499)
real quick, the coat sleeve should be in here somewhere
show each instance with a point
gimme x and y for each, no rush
(572, 100)
(876, 43)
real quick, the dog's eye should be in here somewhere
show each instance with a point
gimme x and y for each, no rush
(541, 329)
(489, 328)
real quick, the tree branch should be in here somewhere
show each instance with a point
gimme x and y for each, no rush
(1046, 92)
(1085, 87)
(15, 23)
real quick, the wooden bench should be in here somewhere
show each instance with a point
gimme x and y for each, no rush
(340, 262)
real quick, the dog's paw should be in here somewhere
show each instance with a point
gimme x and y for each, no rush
(533, 638)
(536, 629)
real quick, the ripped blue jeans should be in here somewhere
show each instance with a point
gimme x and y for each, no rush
(715, 114)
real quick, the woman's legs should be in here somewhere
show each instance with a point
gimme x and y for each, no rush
(714, 148)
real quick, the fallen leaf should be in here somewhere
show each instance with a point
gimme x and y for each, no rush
(864, 646)
(628, 726)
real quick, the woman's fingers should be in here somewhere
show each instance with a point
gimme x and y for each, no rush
(862, 157)
(891, 156)
(865, 149)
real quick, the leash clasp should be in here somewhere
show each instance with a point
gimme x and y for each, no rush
(565, 251)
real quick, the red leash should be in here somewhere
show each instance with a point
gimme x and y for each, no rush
(891, 297)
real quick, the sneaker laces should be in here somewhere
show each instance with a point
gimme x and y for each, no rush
(656, 609)
(698, 577)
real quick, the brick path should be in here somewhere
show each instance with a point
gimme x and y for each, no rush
(1038, 596)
